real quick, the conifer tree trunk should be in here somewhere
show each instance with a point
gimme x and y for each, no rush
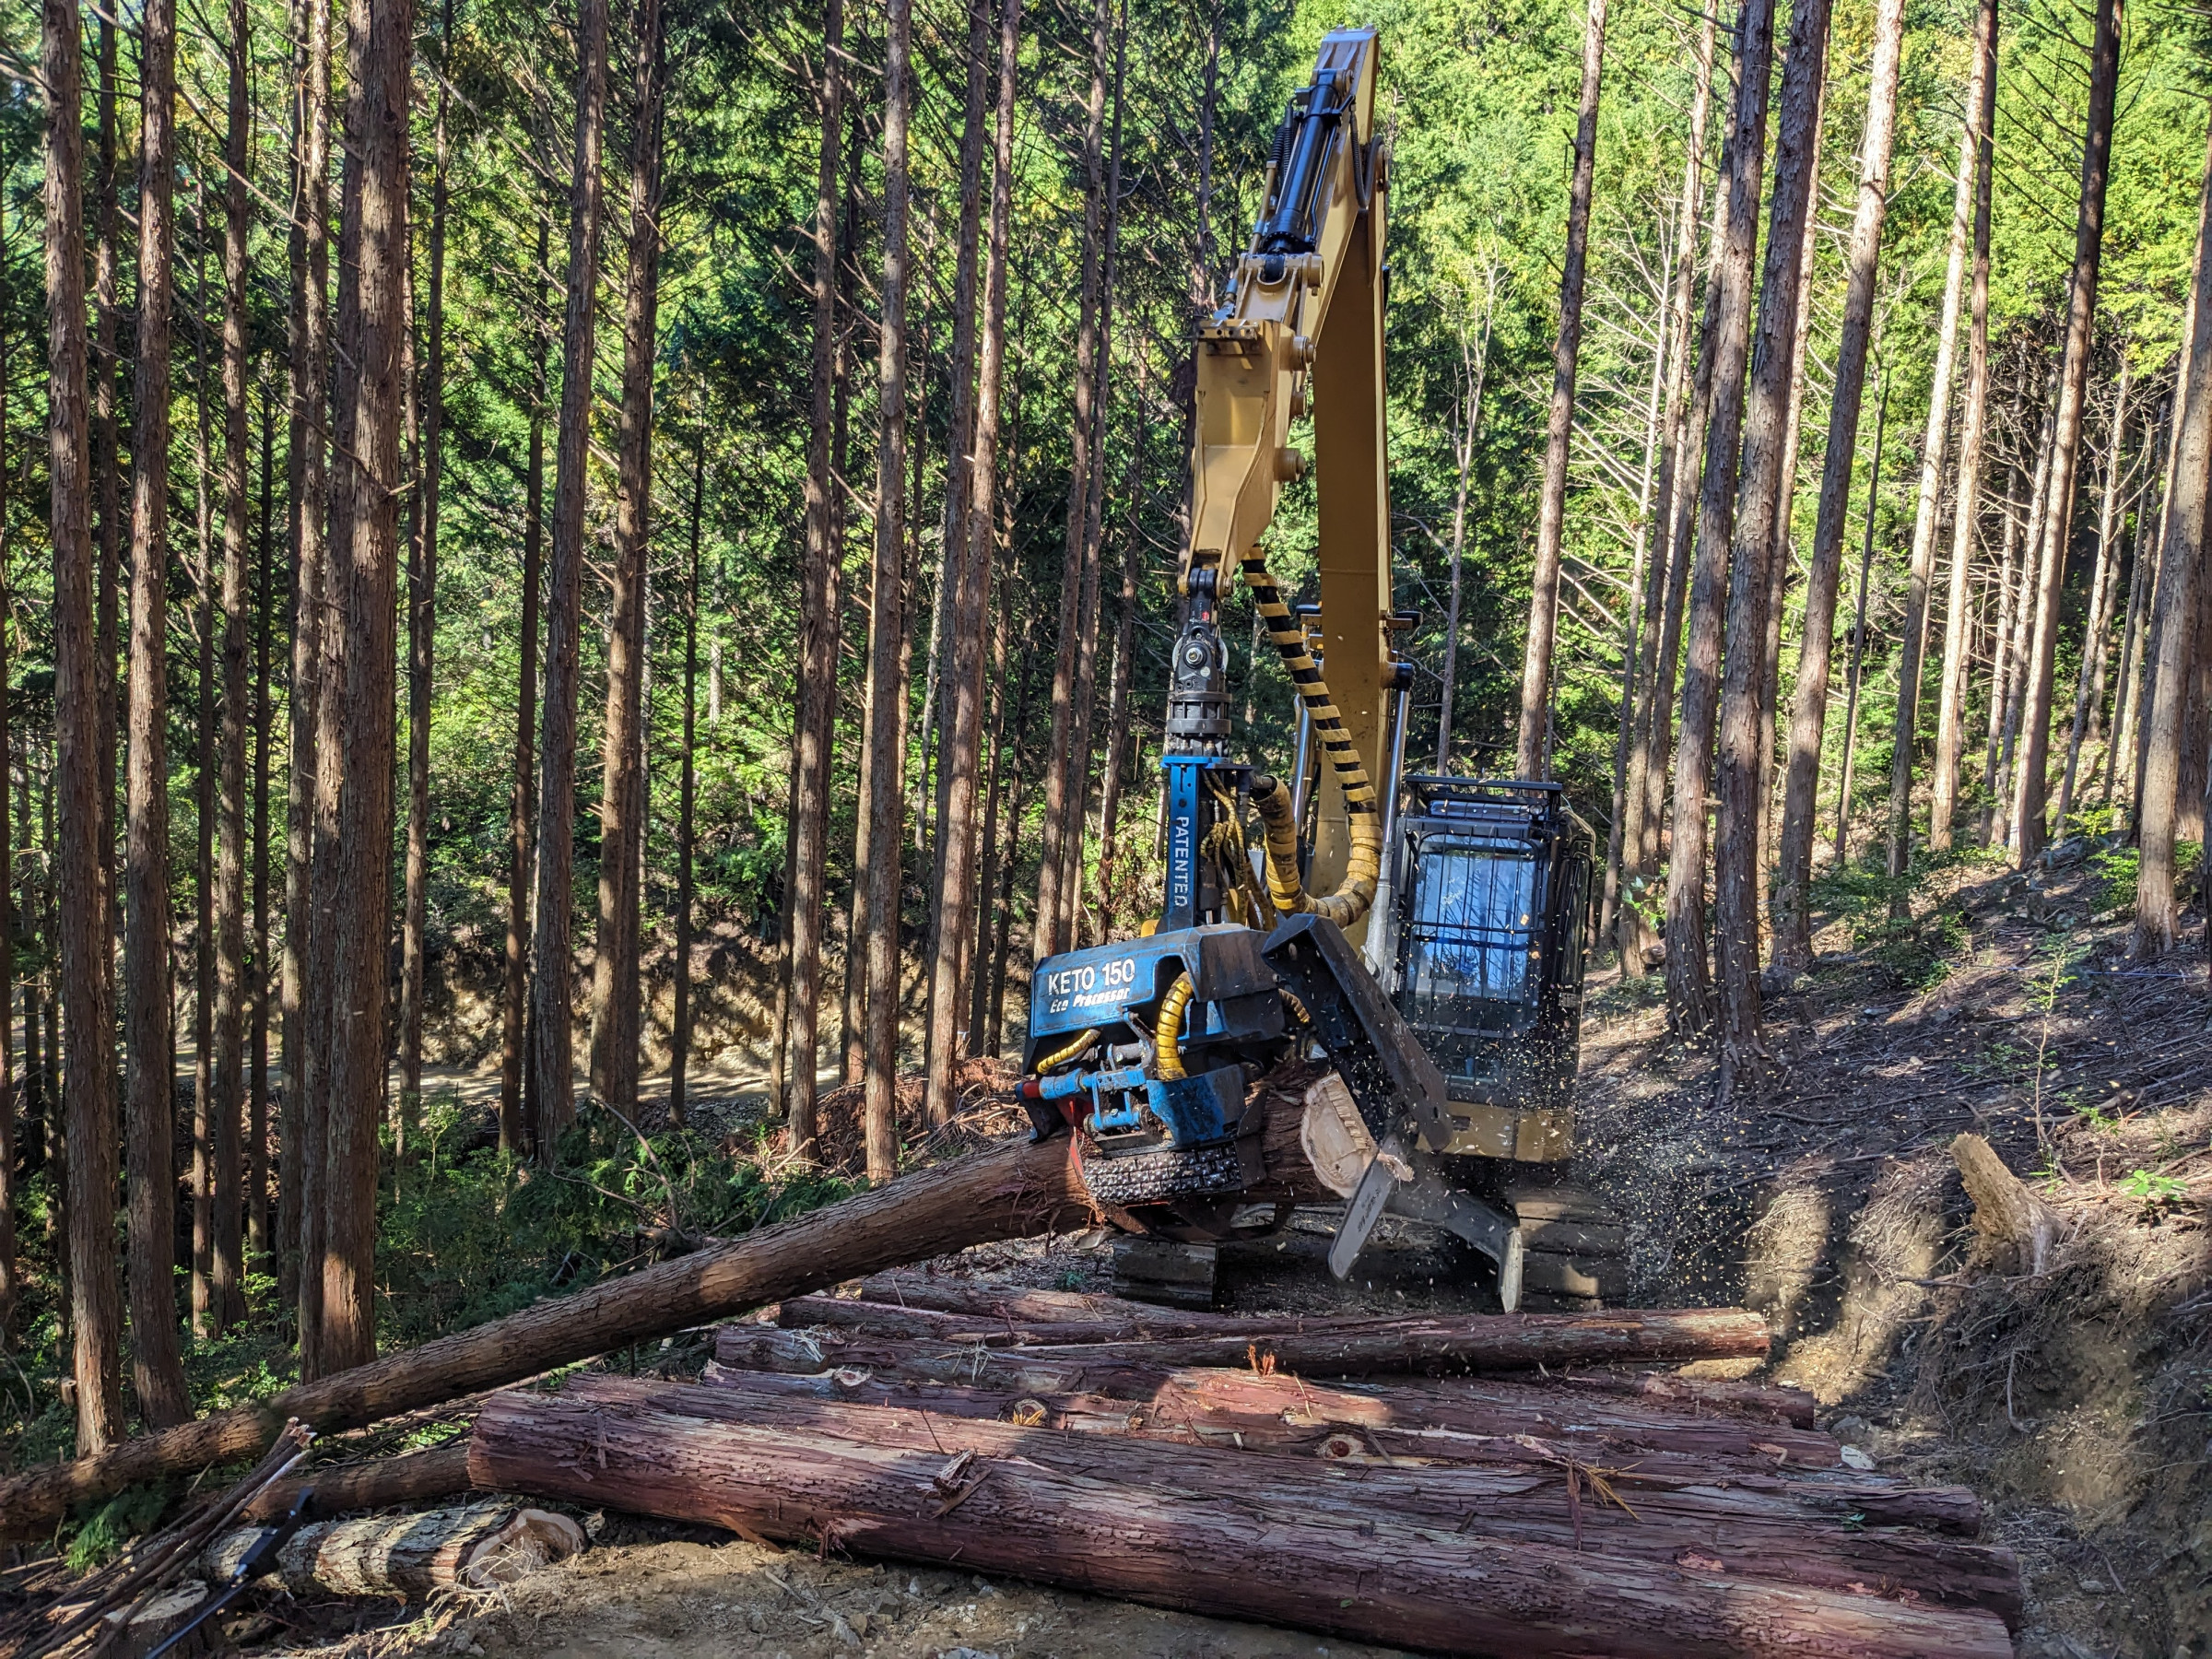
(1065, 772)
(1792, 947)
(552, 1039)
(205, 762)
(883, 767)
(1688, 970)
(1950, 715)
(2049, 559)
(10, 1269)
(257, 1033)
(352, 872)
(516, 1073)
(1094, 513)
(1473, 363)
(818, 625)
(1125, 645)
(2016, 642)
(1858, 634)
(614, 990)
(106, 377)
(422, 624)
(964, 703)
(1742, 768)
(1532, 753)
(2098, 624)
(2128, 693)
(1663, 591)
(1927, 519)
(228, 1263)
(157, 1371)
(2000, 644)
(2189, 463)
(299, 1219)
(80, 683)
(679, 1039)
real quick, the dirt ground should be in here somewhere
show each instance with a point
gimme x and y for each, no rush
(2078, 1401)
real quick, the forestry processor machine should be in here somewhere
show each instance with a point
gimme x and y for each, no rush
(1433, 957)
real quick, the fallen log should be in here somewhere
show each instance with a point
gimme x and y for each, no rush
(1787, 1404)
(416, 1478)
(2017, 1231)
(1216, 1532)
(1793, 1533)
(1139, 1322)
(412, 1554)
(1468, 1421)
(1346, 1348)
(1016, 1190)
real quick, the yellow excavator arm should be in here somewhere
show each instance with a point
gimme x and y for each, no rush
(1302, 331)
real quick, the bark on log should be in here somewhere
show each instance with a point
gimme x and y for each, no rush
(1347, 1349)
(1012, 1191)
(1794, 1531)
(1790, 1405)
(1478, 1422)
(1217, 1532)
(475, 1547)
(135, 1635)
(417, 1479)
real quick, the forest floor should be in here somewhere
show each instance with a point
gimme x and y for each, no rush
(2077, 1402)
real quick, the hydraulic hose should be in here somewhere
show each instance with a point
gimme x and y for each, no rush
(1356, 893)
(1061, 1056)
(1167, 1030)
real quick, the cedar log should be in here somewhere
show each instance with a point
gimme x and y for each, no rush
(476, 1546)
(1793, 1533)
(388, 1483)
(1220, 1533)
(1478, 1422)
(1014, 1190)
(1348, 1348)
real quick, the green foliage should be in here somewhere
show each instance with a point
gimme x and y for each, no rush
(2153, 1191)
(2115, 869)
(471, 1236)
(112, 1526)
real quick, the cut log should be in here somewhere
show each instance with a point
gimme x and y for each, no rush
(2017, 1230)
(134, 1635)
(1793, 1532)
(1483, 1421)
(475, 1547)
(1787, 1404)
(1015, 1190)
(1223, 1533)
(417, 1479)
(1343, 1348)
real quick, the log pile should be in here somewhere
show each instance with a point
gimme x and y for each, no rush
(1306, 1473)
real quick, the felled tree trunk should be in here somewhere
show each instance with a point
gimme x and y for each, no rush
(417, 1477)
(1011, 1191)
(1217, 1532)
(482, 1545)
(1351, 1347)
(2017, 1230)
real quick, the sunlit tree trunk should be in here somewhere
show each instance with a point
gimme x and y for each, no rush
(1663, 591)
(2088, 680)
(1532, 753)
(615, 990)
(1927, 515)
(258, 1032)
(2016, 642)
(1064, 773)
(354, 786)
(298, 1203)
(2190, 457)
(1792, 943)
(817, 644)
(81, 683)
(1689, 971)
(679, 1039)
(517, 1079)
(1858, 635)
(1950, 715)
(551, 1045)
(964, 700)
(1742, 768)
(422, 626)
(2049, 559)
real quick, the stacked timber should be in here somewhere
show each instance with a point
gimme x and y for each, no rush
(1436, 1484)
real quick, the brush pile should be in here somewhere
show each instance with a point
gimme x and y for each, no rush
(1450, 1484)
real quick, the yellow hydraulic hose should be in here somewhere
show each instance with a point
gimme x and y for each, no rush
(1364, 866)
(1062, 1056)
(1167, 1030)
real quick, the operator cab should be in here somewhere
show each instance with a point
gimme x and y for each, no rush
(1490, 883)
